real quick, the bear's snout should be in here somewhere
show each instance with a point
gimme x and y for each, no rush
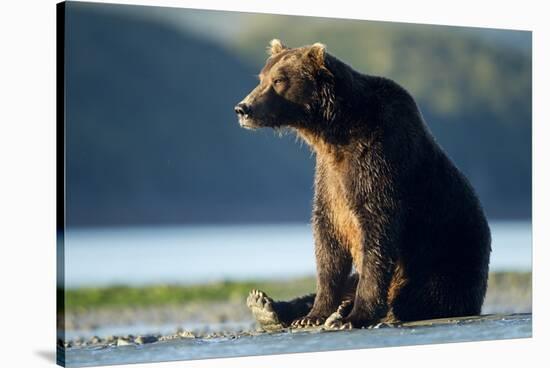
(242, 109)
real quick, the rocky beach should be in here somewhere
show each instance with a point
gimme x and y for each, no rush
(204, 316)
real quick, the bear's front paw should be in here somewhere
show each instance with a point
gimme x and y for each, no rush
(336, 322)
(357, 320)
(308, 321)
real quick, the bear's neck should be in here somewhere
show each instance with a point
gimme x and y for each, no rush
(327, 150)
(354, 120)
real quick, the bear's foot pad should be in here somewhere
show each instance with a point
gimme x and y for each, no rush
(261, 306)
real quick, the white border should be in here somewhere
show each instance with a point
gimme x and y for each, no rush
(27, 185)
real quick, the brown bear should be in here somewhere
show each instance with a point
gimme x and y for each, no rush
(388, 201)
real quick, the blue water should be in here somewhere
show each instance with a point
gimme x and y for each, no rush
(149, 255)
(511, 327)
(138, 256)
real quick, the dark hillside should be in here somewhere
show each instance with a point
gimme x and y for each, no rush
(152, 137)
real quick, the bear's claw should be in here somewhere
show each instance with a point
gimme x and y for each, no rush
(336, 320)
(307, 322)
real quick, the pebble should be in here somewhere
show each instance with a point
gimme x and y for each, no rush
(122, 342)
(186, 334)
(146, 339)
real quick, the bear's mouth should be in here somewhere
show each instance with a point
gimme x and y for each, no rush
(245, 121)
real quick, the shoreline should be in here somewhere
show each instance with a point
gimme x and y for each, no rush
(220, 308)
(96, 342)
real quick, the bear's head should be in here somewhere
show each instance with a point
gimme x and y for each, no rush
(295, 89)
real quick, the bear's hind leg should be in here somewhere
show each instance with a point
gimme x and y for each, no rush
(438, 298)
(275, 315)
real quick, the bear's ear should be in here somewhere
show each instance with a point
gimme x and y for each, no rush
(317, 53)
(275, 46)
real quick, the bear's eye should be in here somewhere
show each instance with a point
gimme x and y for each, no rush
(278, 81)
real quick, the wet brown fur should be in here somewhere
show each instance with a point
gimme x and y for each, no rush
(388, 201)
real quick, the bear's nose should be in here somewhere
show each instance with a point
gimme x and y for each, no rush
(242, 109)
